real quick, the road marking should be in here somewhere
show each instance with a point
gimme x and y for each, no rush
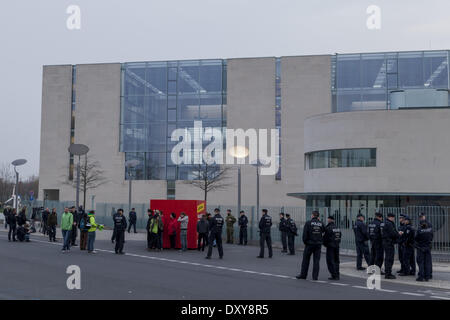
(361, 287)
(386, 290)
(339, 284)
(442, 298)
(413, 294)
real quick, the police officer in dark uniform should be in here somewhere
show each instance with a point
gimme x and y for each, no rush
(265, 225)
(401, 240)
(361, 239)
(407, 236)
(313, 239)
(242, 222)
(120, 225)
(423, 218)
(376, 242)
(292, 233)
(390, 236)
(283, 231)
(215, 233)
(331, 240)
(423, 241)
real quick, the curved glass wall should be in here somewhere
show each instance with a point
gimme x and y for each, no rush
(159, 97)
(365, 81)
(341, 158)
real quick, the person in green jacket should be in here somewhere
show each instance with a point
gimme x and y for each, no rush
(230, 221)
(66, 228)
(91, 232)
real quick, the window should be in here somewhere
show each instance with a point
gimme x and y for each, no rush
(341, 158)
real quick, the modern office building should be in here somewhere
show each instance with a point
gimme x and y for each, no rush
(368, 129)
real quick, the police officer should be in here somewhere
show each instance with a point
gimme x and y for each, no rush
(390, 236)
(73, 234)
(361, 239)
(376, 242)
(215, 233)
(401, 240)
(230, 220)
(283, 231)
(423, 218)
(313, 239)
(292, 233)
(265, 225)
(242, 222)
(423, 240)
(332, 240)
(407, 237)
(120, 225)
(132, 218)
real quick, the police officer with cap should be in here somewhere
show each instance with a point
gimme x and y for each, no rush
(390, 236)
(120, 225)
(423, 218)
(332, 240)
(313, 239)
(265, 224)
(376, 242)
(361, 239)
(423, 242)
(407, 239)
(215, 233)
(292, 233)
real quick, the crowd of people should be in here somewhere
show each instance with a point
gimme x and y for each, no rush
(382, 233)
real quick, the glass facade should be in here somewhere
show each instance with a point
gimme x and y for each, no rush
(159, 97)
(72, 120)
(365, 81)
(341, 158)
(278, 112)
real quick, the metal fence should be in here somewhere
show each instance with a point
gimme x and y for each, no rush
(345, 219)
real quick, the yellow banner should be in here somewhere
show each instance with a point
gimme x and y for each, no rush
(200, 207)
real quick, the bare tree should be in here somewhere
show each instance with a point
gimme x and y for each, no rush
(209, 178)
(91, 177)
(6, 182)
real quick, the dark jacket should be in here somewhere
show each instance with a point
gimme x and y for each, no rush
(389, 232)
(243, 221)
(202, 226)
(360, 229)
(409, 235)
(21, 218)
(313, 232)
(216, 224)
(283, 225)
(424, 238)
(291, 226)
(120, 222)
(45, 215)
(375, 230)
(52, 220)
(132, 217)
(265, 223)
(12, 219)
(332, 236)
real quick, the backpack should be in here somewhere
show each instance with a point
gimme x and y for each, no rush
(85, 224)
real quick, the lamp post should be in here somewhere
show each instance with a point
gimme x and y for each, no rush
(130, 164)
(239, 152)
(17, 163)
(78, 150)
(258, 163)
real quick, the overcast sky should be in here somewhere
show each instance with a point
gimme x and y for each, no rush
(34, 33)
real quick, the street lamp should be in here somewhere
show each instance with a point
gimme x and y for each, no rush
(130, 164)
(78, 150)
(258, 163)
(17, 163)
(239, 152)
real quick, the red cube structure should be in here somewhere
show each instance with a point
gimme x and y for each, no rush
(192, 208)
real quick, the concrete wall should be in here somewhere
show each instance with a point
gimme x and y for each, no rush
(413, 150)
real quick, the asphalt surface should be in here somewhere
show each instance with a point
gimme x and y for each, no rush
(37, 270)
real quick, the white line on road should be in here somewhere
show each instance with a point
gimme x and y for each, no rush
(413, 294)
(442, 298)
(339, 284)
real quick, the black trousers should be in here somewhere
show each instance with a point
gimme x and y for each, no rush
(73, 235)
(132, 224)
(265, 238)
(52, 233)
(113, 237)
(424, 263)
(149, 240)
(218, 238)
(284, 236)
(376, 254)
(173, 238)
(243, 235)
(389, 255)
(409, 264)
(291, 239)
(311, 250)
(362, 250)
(120, 238)
(12, 231)
(401, 254)
(155, 241)
(202, 241)
(333, 261)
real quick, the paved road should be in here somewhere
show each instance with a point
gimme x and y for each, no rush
(37, 270)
